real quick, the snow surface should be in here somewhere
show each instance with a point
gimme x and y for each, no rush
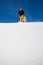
(21, 43)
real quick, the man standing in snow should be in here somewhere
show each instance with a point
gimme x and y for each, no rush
(21, 13)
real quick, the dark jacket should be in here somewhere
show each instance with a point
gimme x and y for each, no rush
(21, 12)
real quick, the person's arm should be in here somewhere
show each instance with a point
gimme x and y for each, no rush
(23, 12)
(18, 12)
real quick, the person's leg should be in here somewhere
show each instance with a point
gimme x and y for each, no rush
(22, 18)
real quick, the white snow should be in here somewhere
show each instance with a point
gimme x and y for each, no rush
(21, 43)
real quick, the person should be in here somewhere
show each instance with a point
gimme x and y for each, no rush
(21, 13)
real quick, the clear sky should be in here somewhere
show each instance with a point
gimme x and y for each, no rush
(9, 8)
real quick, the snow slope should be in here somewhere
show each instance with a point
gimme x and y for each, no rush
(21, 43)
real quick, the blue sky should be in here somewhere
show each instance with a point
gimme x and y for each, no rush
(9, 8)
